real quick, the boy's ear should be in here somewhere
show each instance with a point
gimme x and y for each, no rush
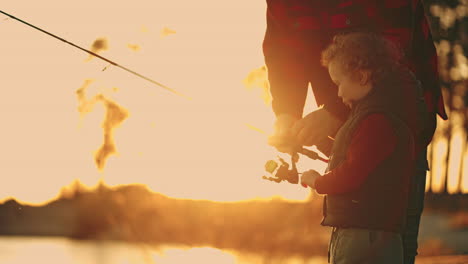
(364, 77)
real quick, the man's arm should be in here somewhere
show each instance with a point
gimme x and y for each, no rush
(288, 77)
(288, 83)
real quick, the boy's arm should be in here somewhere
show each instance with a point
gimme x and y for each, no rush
(373, 141)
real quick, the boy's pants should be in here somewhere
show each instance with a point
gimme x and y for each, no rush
(365, 246)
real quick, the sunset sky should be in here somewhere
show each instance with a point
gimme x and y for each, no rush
(202, 148)
(205, 148)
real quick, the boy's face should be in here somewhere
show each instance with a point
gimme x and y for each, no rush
(351, 86)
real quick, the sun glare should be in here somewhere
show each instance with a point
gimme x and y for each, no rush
(67, 116)
(438, 171)
(464, 184)
(201, 254)
(66, 112)
(457, 142)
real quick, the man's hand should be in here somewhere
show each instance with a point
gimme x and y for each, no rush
(283, 139)
(308, 178)
(315, 127)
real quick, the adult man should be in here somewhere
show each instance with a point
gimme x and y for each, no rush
(298, 31)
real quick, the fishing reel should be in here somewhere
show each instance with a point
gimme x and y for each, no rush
(283, 173)
(287, 172)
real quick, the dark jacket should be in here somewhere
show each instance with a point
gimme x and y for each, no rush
(380, 201)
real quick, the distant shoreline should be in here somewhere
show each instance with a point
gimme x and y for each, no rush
(133, 213)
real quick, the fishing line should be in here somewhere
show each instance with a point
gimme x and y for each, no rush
(99, 56)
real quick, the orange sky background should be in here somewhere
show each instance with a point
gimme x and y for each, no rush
(200, 148)
(204, 148)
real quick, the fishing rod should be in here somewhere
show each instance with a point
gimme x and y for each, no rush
(284, 171)
(99, 56)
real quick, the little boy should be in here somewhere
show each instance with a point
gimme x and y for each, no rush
(367, 178)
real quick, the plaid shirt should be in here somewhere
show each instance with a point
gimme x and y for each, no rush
(298, 31)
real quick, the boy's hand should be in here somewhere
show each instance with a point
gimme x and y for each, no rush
(308, 178)
(282, 139)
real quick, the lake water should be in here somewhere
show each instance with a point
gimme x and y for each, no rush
(59, 250)
(25, 250)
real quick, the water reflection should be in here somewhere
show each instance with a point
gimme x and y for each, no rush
(21, 250)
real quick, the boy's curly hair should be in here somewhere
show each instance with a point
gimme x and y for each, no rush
(363, 51)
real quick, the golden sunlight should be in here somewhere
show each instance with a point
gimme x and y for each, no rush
(202, 255)
(198, 149)
(464, 184)
(457, 142)
(62, 114)
(438, 171)
(258, 78)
